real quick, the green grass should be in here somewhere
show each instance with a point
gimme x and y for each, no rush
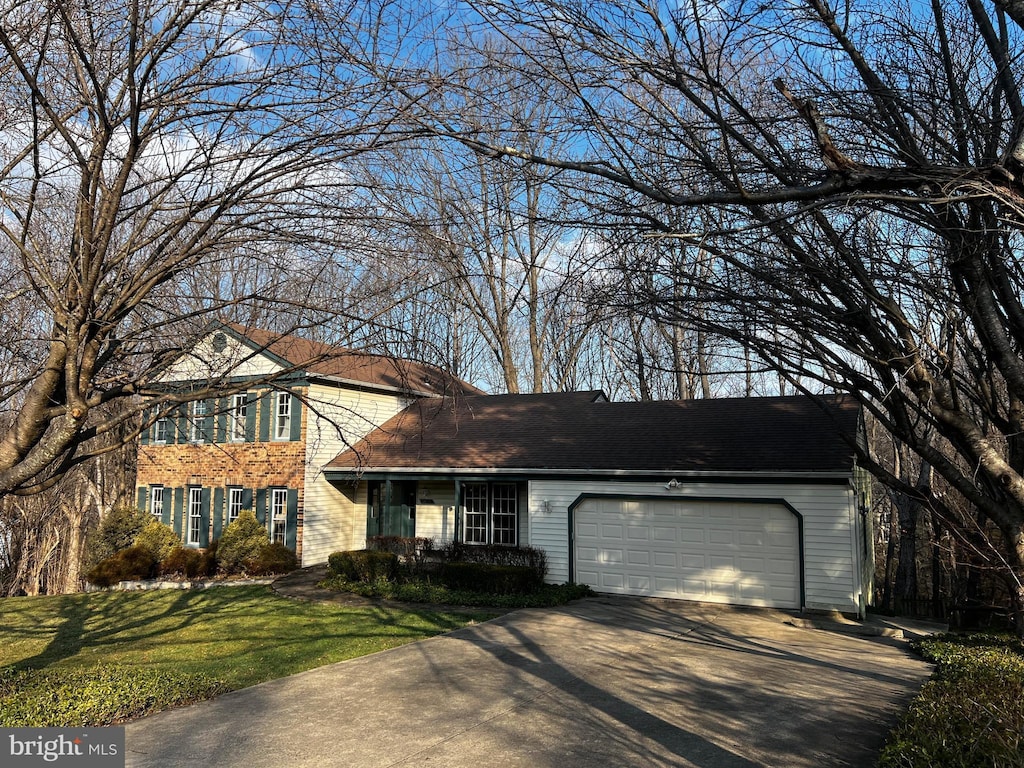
(123, 654)
(413, 591)
(971, 713)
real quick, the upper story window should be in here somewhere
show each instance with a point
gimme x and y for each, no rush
(196, 428)
(162, 430)
(283, 416)
(237, 418)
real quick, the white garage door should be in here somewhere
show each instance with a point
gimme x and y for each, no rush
(742, 553)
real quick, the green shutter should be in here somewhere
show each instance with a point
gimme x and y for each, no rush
(182, 421)
(250, 417)
(296, 417)
(165, 517)
(247, 499)
(144, 435)
(143, 496)
(221, 433)
(266, 415)
(208, 422)
(204, 511)
(261, 506)
(292, 524)
(219, 512)
(179, 506)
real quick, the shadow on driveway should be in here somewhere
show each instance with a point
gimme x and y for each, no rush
(603, 681)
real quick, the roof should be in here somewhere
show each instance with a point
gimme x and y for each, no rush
(577, 431)
(350, 365)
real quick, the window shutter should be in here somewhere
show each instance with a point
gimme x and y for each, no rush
(292, 523)
(143, 497)
(220, 434)
(208, 422)
(179, 505)
(219, 512)
(296, 419)
(266, 415)
(165, 517)
(247, 499)
(250, 417)
(261, 506)
(144, 435)
(182, 422)
(204, 511)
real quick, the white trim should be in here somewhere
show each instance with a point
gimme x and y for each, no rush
(564, 471)
(195, 516)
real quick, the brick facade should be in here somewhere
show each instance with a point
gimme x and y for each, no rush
(257, 466)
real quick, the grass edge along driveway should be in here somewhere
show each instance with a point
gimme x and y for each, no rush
(105, 657)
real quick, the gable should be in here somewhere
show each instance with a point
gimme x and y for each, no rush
(221, 355)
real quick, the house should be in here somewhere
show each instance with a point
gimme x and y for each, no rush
(749, 501)
(296, 405)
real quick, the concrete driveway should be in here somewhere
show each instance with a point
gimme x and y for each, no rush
(601, 682)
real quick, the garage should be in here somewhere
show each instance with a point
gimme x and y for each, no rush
(741, 552)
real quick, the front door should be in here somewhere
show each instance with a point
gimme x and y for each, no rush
(391, 508)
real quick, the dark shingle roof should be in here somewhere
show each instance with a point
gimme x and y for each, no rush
(572, 431)
(350, 365)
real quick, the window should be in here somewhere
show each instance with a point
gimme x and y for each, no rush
(283, 416)
(162, 428)
(278, 514)
(490, 513)
(195, 515)
(237, 418)
(234, 504)
(196, 429)
(156, 501)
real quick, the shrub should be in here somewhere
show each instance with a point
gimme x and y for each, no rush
(493, 554)
(242, 541)
(273, 558)
(363, 565)
(183, 561)
(132, 563)
(159, 539)
(971, 713)
(492, 579)
(117, 530)
(403, 546)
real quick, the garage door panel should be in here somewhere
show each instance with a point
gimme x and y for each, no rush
(744, 553)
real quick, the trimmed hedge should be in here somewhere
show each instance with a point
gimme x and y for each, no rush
(241, 543)
(403, 546)
(97, 697)
(492, 579)
(363, 565)
(493, 554)
(190, 563)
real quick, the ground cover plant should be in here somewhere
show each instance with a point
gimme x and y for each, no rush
(971, 713)
(100, 658)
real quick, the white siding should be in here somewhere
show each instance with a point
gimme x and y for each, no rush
(831, 565)
(204, 362)
(335, 418)
(436, 520)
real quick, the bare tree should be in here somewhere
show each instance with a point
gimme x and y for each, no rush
(865, 161)
(161, 163)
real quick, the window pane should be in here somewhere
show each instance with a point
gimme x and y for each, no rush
(503, 517)
(475, 513)
(195, 514)
(237, 418)
(156, 505)
(234, 503)
(282, 429)
(279, 514)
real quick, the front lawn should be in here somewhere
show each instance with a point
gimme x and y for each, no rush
(971, 713)
(94, 659)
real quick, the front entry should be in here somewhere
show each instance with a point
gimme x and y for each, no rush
(391, 508)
